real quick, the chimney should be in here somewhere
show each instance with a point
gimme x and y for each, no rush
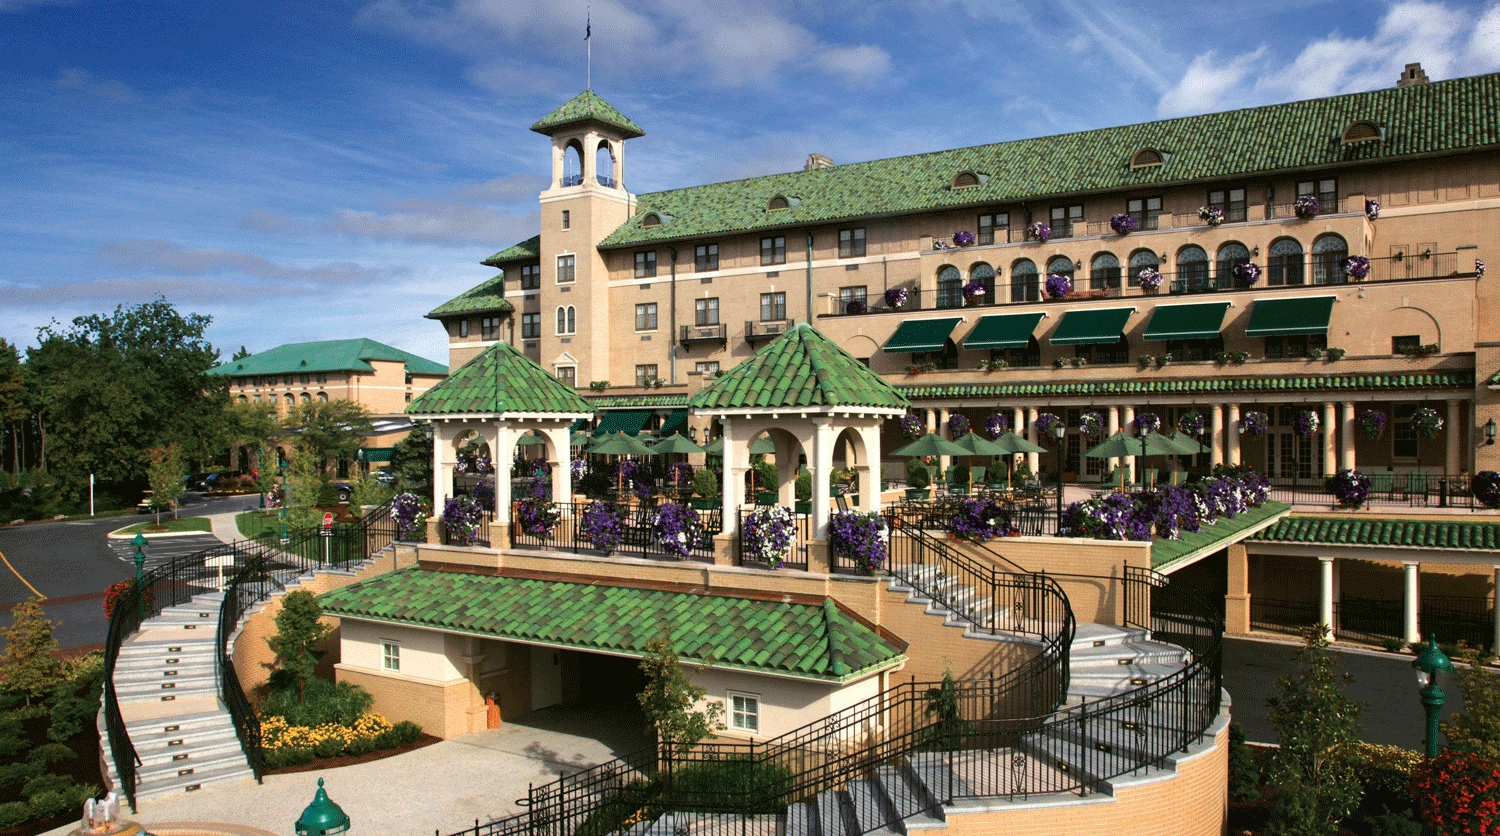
(1413, 74)
(816, 161)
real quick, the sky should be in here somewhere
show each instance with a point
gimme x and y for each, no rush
(334, 169)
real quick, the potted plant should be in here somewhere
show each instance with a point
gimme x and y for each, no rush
(918, 481)
(768, 534)
(1307, 206)
(705, 489)
(1350, 487)
(1122, 223)
(963, 238)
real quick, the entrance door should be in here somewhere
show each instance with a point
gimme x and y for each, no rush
(546, 677)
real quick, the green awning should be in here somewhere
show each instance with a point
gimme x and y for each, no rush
(922, 334)
(578, 424)
(378, 454)
(1003, 331)
(1290, 317)
(676, 423)
(1186, 322)
(628, 421)
(1099, 327)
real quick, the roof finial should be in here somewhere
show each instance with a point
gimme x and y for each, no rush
(588, 35)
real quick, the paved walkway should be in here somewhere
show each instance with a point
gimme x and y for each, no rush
(443, 787)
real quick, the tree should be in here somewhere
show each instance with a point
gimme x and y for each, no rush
(669, 697)
(241, 354)
(1477, 728)
(13, 408)
(166, 475)
(304, 481)
(329, 429)
(28, 666)
(1314, 770)
(298, 630)
(250, 425)
(411, 459)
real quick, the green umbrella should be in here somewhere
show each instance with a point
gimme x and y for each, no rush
(579, 439)
(931, 444)
(620, 444)
(978, 445)
(1121, 445)
(675, 443)
(1012, 443)
(1190, 446)
(715, 447)
(531, 439)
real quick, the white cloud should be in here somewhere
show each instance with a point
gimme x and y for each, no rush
(83, 81)
(165, 258)
(431, 221)
(1203, 86)
(506, 189)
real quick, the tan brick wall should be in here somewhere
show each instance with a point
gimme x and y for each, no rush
(441, 709)
(1092, 598)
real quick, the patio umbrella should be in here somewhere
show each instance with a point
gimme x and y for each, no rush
(675, 443)
(762, 445)
(978, 445)
(579, 439)
(620, 444)
(1010, 444)
(931, 444)
(1190, 446)
(531, 438)
(1122, 446)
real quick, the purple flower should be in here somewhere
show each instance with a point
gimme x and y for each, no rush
(1058, 286)
(978, 520)
(1305, 423)
(974, 292)
(677, 528)
(1255, 423)
(580, 468)
(996, 425)
(1046, 422)
(680, 474)
(963, 238)
(1211, 215)
(1110, 517)
(958, 424)
(1307, 206)
(409, 513)
(1356, 267)
(861, 536)
(1150, 278)
(1122, 223)
(895, 297)
(1248, 273)
(463, 517)
(1191, 422)
(1372, 423)
(602, 524)
(855, 307)
(1486, 487)
(1350, 486)
(768, 534)
(911, 427)
(1478, 269)
(1426, 422)
(1372, 208)
(1039, 231)
(1147, 422)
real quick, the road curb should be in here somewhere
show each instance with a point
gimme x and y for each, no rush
(116, 535)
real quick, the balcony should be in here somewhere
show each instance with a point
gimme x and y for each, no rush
(759, 331)
(718, 333)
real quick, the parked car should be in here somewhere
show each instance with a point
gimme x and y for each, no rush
(345, 490)
(149, 505)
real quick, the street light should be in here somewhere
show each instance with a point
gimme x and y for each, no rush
(140, 568)
(1429, 663)
(322, 816)
(1489, 431)
(1058, 432)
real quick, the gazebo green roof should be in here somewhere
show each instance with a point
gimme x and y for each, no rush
(499, 380)
(801, 368)
(487, 296)
(587, 107)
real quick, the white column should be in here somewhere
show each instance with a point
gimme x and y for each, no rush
(734, 475)
(1216, 434)
(1409, 602)
(1034, 460)
(1127, 422)
(1325, 601)
(1017, 426)
(501, 449)
(1451, 427)
(1330, 451)
(936, 419)
(869, 485)
(1112, 426)
(822, 470)
(562, 472)
(442, 471)
(1232, 435)
(1347, 459)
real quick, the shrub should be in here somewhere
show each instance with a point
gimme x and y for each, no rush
(287, 756)
(1385, 771)
(705, 483)
(12, 744)
(916, 474)
(407, 732)
(14, 813)
(69, 716)
(388, 739)
(19, 772)
(1477, 728)
(298, 630)
(996, 471)
(47, 782)
(27, 666)
(323, 702)
(1486, 487)
(803, 486)
(361, 746)
(329, 747)
(49, 753)
(1458, 792)
(1244, 775)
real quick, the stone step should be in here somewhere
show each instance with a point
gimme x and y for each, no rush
(1129, 676)
(1133, 651)
(1085, 765)
(155, 741)
(159, 785)
(190, 753)
(144, 653)
(832, 820)
(802, 819)
(169, 691)
(160, 671)
(918, 808)
(183, 724)
(873, 811)
(1089, 634)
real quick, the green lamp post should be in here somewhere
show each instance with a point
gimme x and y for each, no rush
(140, 569)
(1429, 663)
(322, 816)
(281, 515)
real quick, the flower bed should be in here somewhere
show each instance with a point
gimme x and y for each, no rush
(603, 525)
(1167, 511)
(285, 745)
(978, 520)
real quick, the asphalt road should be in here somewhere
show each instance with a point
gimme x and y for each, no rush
(1387, 683)
(70, 564)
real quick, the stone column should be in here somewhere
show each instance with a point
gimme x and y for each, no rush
(1330, 450)
(1127, 422)
(936, 418)
(819, 557)
(1112, 426)
(500, 454)
(1237, 592)
(1409, 602)
(1034, 460)
(869, 481)
(1325, 599)
(442, 476)
(1452, 427)
(1216, 434)
(1232, 435)
(1017, 426)
(726, 542)
(1347, 459)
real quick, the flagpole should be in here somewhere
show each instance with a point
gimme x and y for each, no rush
(588, 40)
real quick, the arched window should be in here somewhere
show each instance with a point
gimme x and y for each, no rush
(1284, 265)
(244, 399)
(965, 179)
(1145, 157)
(778, 202)
(1361, 131)
(1141, 260)
(1061, 265)
(604, 164)
(1192, 270)
(306, 398)
(1229, 256)
(651, 219)
(572, 319)
(573, 164)
(950, 287)
(290, 401)
(1328, 254)
(984, 274)
(323, 397)
(1104, 272)
(1024, 285)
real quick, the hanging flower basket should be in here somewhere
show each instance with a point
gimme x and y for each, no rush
(677, 528)
(1147, 422)
(958, 424)
(1486, 486)
(680, 477)
(1350, 486)
(603, 525)
(910, 426)
(1191, 422)
(1247, 274)
(1122, 223)
(1426, 422)
(996, 425)
(1091, 424)
(963, 238)
(1356, 267)
(409, 513)
(1211, 215)
(974, 293)
(1058, 286)
(1039, 231)
(1255, 423)
(1150, 278)
(768, 534)
(1305, 423)
(1372, 423)
(895, 297)
(1478, 269)
(1046, 422)
(1372, 209)
(860, 536)
(1307, 206)
(463, 516)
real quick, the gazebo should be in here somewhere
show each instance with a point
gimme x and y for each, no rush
(803, 392)
(498, 396)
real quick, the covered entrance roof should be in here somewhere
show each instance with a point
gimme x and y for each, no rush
(1186, 322)
(1167, 556)
(802, 637)
(1098, 327)
(1003, 331)
(1290, 317)
(922, 334)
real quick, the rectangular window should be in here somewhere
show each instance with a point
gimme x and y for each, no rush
(564, 269)
(1291, 348)
(993, 225)
(1404, 439)
(1232, 201)
(1100, 355)
(568, 375)
(645, 374)
(706, 258)
(463, 328)
(645, 316)
(390, 655)
(305, 379)
(851, 242)
(853, 299)
(744, 712)
(531, 277)
(1326, 191)
(1063, 218)
(531, 326)
(489, 328)
(708, 368)
(1145, 211)
(772, 307)
(773, 250)
(1195, 349)
(645, 264)
(566, 221)
(706, 311)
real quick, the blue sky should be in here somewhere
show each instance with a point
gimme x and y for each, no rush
(337, 168)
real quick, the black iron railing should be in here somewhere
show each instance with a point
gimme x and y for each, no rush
(796, 557)
(1033, 516)
(1387, 489)
(637, 526)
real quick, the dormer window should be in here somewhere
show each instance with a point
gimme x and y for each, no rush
(969, 179)
(1147, 157)
(1362, 131)
(651, 219)
(778, 202)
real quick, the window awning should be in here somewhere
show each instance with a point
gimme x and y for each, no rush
(1186, 322)
(378, 454)
(922, 334)
(578, 425)
(1003, 331)
(1290, 317)
(628, 421)
(676, 423)
(1100, 327)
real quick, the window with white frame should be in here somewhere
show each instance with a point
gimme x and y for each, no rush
(708, 368)
(645, 316)
(645, 264)
(463, 328)
(565, 269)
(744, 711)
(851, 242)
(568, 375)
(706, 311)
(531, 277)
(645, 374)
(531, 326)
(390, 655)
(706, 258)
(567, 319)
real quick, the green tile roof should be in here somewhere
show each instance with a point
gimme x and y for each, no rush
(1186, 322)
(529, 250)
(922, 334)
(1290, 317)
(1194, 386)
(1003, 331)
(1212, 537)
(487, 296)
(326, 356)
(499, 380)
(586, 107)
(1091, 327)
(800, 368)
(1457, 534)
(811, 640)
(616, 401)
(1442, 117)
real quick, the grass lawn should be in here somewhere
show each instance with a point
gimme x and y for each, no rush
(253, 524)
(167, 524)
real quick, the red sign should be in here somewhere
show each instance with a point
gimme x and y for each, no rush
(328, 521)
